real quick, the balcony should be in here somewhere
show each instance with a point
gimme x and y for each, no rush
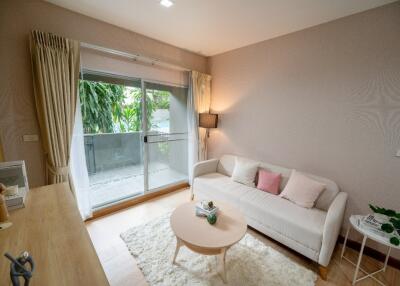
(115, 165)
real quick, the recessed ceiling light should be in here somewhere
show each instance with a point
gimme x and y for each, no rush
(166, 3)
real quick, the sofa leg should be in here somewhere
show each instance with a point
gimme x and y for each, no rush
(192, 197)
(323, 272)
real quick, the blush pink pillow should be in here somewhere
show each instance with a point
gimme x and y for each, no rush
(302, 190)
(269, 182)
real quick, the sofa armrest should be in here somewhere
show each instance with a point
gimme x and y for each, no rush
(205, 167)
(333, 224)
(202, 168)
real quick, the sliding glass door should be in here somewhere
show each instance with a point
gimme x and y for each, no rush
(112, 122)
(166, 138)
(135, 136)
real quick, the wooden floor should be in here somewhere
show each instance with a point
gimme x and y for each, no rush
(121, 268)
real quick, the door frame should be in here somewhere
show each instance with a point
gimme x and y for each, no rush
(145, 148)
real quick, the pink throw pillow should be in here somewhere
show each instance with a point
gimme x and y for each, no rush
(302, 190)
(268, 181)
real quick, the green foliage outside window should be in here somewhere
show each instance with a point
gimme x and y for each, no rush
(160, 98)
(110, 108)
(100, 105)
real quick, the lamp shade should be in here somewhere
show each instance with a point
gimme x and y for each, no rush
(208, 120)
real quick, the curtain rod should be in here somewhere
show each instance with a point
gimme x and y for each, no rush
(135, 57)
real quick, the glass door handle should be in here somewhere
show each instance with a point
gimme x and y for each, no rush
(165, 141)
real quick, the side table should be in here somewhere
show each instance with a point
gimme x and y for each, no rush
(355, 222)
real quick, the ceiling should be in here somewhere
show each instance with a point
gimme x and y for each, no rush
(210, 27)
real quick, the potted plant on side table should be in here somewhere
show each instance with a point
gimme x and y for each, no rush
(391, 224)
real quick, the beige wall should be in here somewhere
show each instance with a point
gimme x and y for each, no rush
(17, 112)
(325, 100)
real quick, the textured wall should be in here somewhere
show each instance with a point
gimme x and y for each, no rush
(325, 100)
(17, 112)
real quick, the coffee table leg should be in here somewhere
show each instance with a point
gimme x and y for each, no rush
(221, 263)
(178, 246)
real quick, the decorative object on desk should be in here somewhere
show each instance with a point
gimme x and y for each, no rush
(205, 208)
(18, 268)
(4, 223)
(13, 175)
(212, 218)
(11, 191)
(392, 225)
(16, 201)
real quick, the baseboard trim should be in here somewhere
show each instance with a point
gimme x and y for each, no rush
(370, 252)
(134, 201)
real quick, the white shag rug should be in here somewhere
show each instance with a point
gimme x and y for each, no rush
(249, 262)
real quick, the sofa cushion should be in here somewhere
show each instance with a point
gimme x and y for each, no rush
(285, 172)
(328, 195)
(218, 187)
(297, 223)
(245, 171)
(269, 181)
(302, 190)
(226, 165)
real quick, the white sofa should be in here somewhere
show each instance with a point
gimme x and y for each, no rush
(311, 232)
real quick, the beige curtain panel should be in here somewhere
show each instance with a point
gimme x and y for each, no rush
(200, 97)
(55, 68)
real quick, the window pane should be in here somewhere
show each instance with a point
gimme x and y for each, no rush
(111, 113)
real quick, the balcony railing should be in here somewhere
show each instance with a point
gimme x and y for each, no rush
(108, 151)
(112, 150)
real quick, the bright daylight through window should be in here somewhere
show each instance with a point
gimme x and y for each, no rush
(119, 162)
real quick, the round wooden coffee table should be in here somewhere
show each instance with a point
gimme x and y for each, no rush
(198, 235)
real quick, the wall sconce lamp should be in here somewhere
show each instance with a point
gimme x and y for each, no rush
(208, 120)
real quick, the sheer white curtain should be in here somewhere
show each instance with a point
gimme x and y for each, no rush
(77, 165)
(199, 100)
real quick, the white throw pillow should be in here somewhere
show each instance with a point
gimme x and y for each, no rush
(302, 190)
(245, 171)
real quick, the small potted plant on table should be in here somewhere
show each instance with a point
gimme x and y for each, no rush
(392, 224)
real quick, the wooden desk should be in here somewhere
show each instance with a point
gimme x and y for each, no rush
(51, 230)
